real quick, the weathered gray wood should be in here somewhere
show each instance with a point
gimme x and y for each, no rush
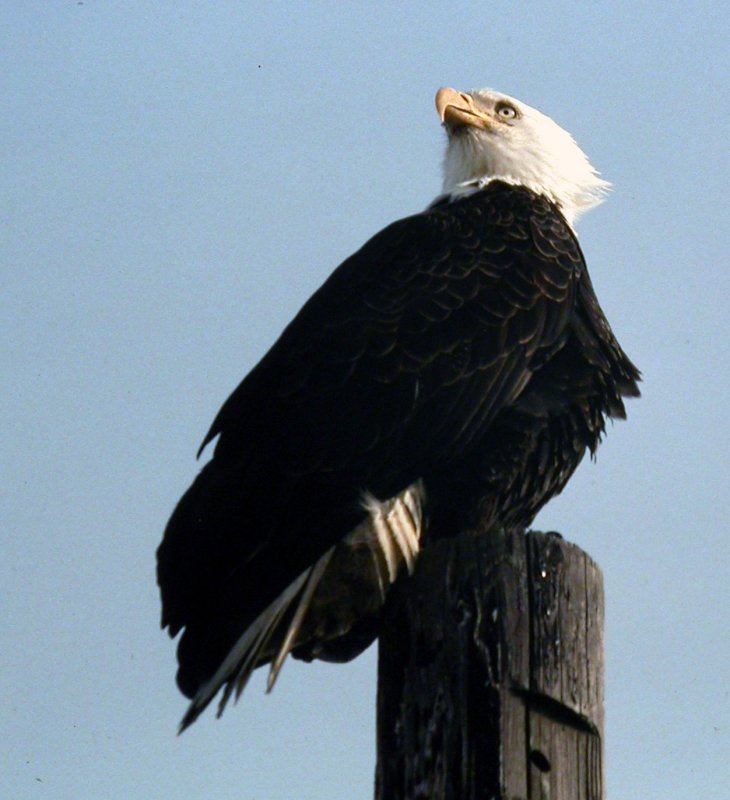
(491, 673)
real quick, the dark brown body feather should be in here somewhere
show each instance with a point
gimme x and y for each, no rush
(463, 346)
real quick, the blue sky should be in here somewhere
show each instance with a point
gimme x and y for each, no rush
(176, 180)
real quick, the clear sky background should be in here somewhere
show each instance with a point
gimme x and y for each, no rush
(176, 179)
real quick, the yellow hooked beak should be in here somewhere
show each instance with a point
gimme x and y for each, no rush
(457, 109)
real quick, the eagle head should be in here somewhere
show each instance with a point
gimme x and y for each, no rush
(492, 136)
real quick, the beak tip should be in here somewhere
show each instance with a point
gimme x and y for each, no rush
(441, 99)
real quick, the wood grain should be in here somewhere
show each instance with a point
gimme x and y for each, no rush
(491, 673)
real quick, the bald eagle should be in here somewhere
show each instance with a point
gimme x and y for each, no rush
(449, 375)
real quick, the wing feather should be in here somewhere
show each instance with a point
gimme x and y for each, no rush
(399, 362)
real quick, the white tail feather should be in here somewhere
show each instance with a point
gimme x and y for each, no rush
(313, 579)
(397, 524)
(392, 534)
(401, 526)
(385, 538)
(241, 660)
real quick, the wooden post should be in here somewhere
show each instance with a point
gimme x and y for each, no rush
(491, 673)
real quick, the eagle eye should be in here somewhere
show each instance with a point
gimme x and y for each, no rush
(506, 111)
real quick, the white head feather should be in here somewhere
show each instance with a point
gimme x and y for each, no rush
(489, 142)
